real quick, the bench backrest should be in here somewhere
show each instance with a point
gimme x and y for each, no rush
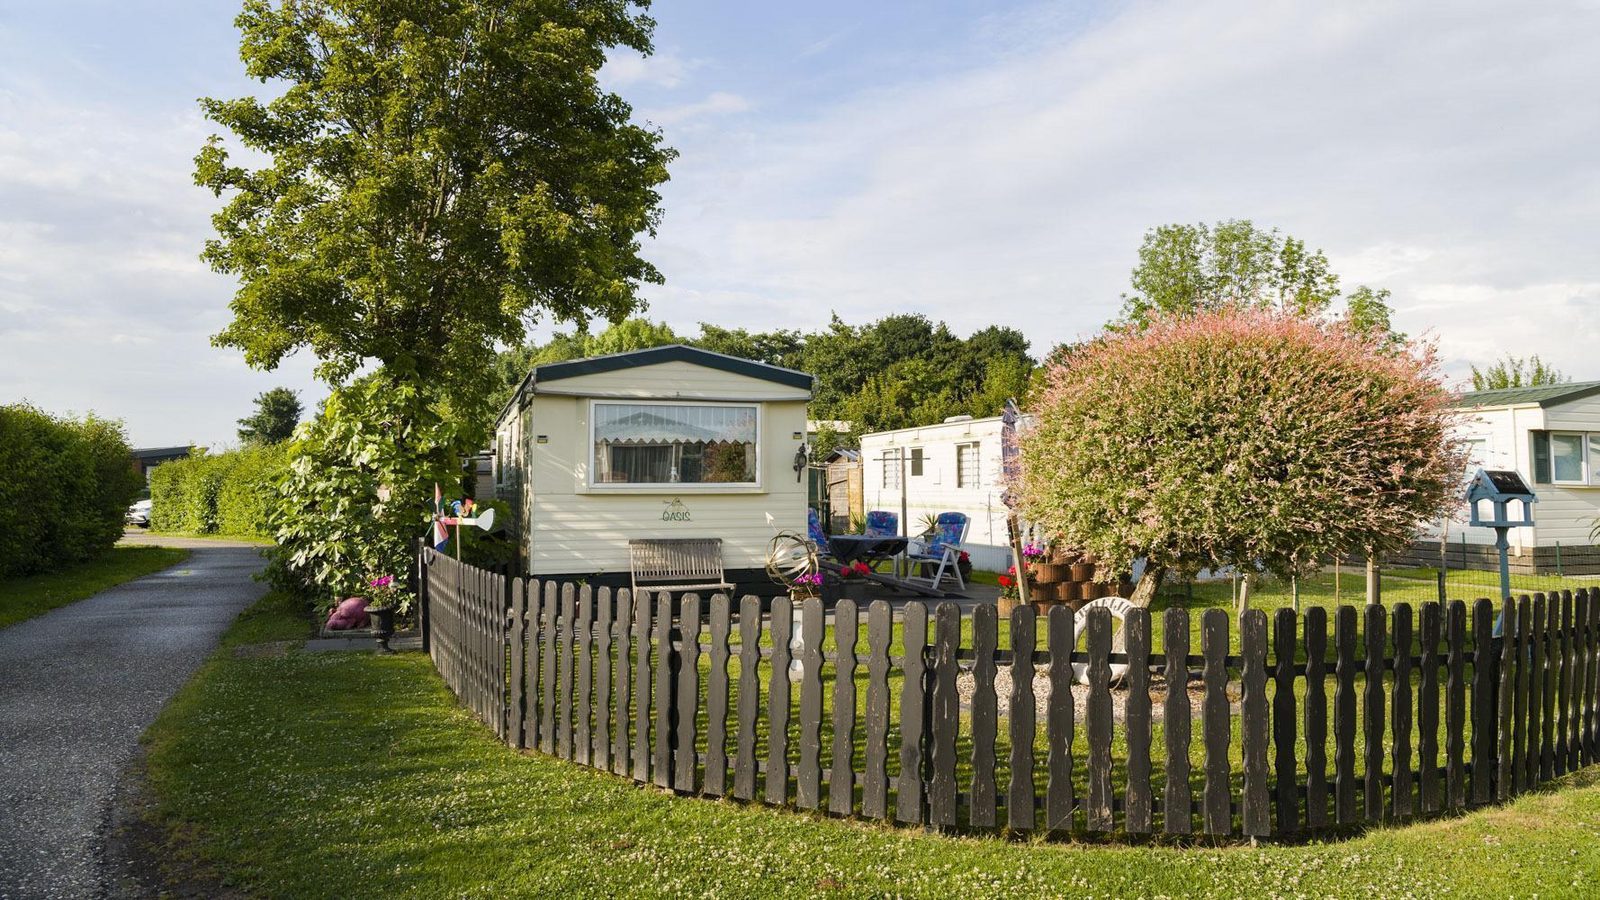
(676, 560)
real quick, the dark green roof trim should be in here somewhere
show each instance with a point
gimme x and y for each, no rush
(1544, 395)
(672, 353)
(635, 358)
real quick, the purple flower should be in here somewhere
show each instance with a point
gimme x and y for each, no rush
(383, 581)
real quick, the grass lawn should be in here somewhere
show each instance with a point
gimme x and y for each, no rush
(346, 775)
(27, 596)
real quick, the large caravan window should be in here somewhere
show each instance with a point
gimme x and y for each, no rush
(674, 443)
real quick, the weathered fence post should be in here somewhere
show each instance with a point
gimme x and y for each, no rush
(1097, 798)
(1218, 795)
(1255, 816)
(946, 717)
(1058, 802)
(841, 772)
(516, 710)
(1283, 721)
(983, 809)
(1019, 792)
(910, 790)
(1177, 806)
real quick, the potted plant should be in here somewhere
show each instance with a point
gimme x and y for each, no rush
(853, 581)
(807, 585)
(1009, 598)
(384, 601)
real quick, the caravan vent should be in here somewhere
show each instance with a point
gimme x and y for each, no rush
(957, 419)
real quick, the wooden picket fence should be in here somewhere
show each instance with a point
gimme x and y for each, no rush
(1420, 717)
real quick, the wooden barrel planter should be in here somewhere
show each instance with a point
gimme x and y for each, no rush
(1083, 571)
(1051, 573)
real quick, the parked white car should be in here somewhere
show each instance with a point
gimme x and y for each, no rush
(139, 514)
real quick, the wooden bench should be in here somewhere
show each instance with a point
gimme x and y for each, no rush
(677, 564)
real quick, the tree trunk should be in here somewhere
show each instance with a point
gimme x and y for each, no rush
(1145, 591)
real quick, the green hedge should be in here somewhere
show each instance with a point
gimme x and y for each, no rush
(222, 493)
(65, 486)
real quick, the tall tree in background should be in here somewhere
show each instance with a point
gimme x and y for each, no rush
(1515, 372)
(1367, 313)
(277, 413)
(437, 176)
(1197, 268)
(1188, 269)
(899, 371)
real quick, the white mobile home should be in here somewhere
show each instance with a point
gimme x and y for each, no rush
(954, 466)
(669, 442)
(1550, 434)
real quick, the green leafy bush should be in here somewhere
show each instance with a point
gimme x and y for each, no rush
(227, 493)
(246, 497)
(359, 486)
(1252, 439)
(65, 486)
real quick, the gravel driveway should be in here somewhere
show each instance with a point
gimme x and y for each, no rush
(77, 687)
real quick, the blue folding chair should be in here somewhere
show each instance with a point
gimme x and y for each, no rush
(943, 551)
(882, 523)
(815, 533)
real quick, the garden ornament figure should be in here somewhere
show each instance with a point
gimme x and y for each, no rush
(461, 514)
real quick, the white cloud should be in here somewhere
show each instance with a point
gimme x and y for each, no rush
(1446, 155)
(717, 103)
(106, 305)
(626, 68)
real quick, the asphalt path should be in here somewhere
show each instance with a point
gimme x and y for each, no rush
(78, 685)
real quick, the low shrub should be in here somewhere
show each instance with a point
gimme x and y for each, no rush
(65, 486)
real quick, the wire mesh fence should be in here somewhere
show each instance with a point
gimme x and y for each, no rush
(1442, 573)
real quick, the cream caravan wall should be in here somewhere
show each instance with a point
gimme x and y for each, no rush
(577, 528)
(1565, 513)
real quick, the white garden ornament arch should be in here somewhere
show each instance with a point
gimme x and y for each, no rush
(1119, 607)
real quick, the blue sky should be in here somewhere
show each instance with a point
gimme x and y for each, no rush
(978, 162)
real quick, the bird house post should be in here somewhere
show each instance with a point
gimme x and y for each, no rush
(1501, 500)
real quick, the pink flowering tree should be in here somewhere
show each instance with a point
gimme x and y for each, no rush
(1246, 438)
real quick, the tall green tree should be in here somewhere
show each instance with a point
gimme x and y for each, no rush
(1367, 312)
(1516, 371)
(434, 177)
(277, 413)
(1185, 269)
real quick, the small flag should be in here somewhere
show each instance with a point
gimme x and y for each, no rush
(441, 534)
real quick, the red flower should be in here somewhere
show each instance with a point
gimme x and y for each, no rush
(1007, 581)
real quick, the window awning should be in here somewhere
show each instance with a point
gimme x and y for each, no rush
(640, 424)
